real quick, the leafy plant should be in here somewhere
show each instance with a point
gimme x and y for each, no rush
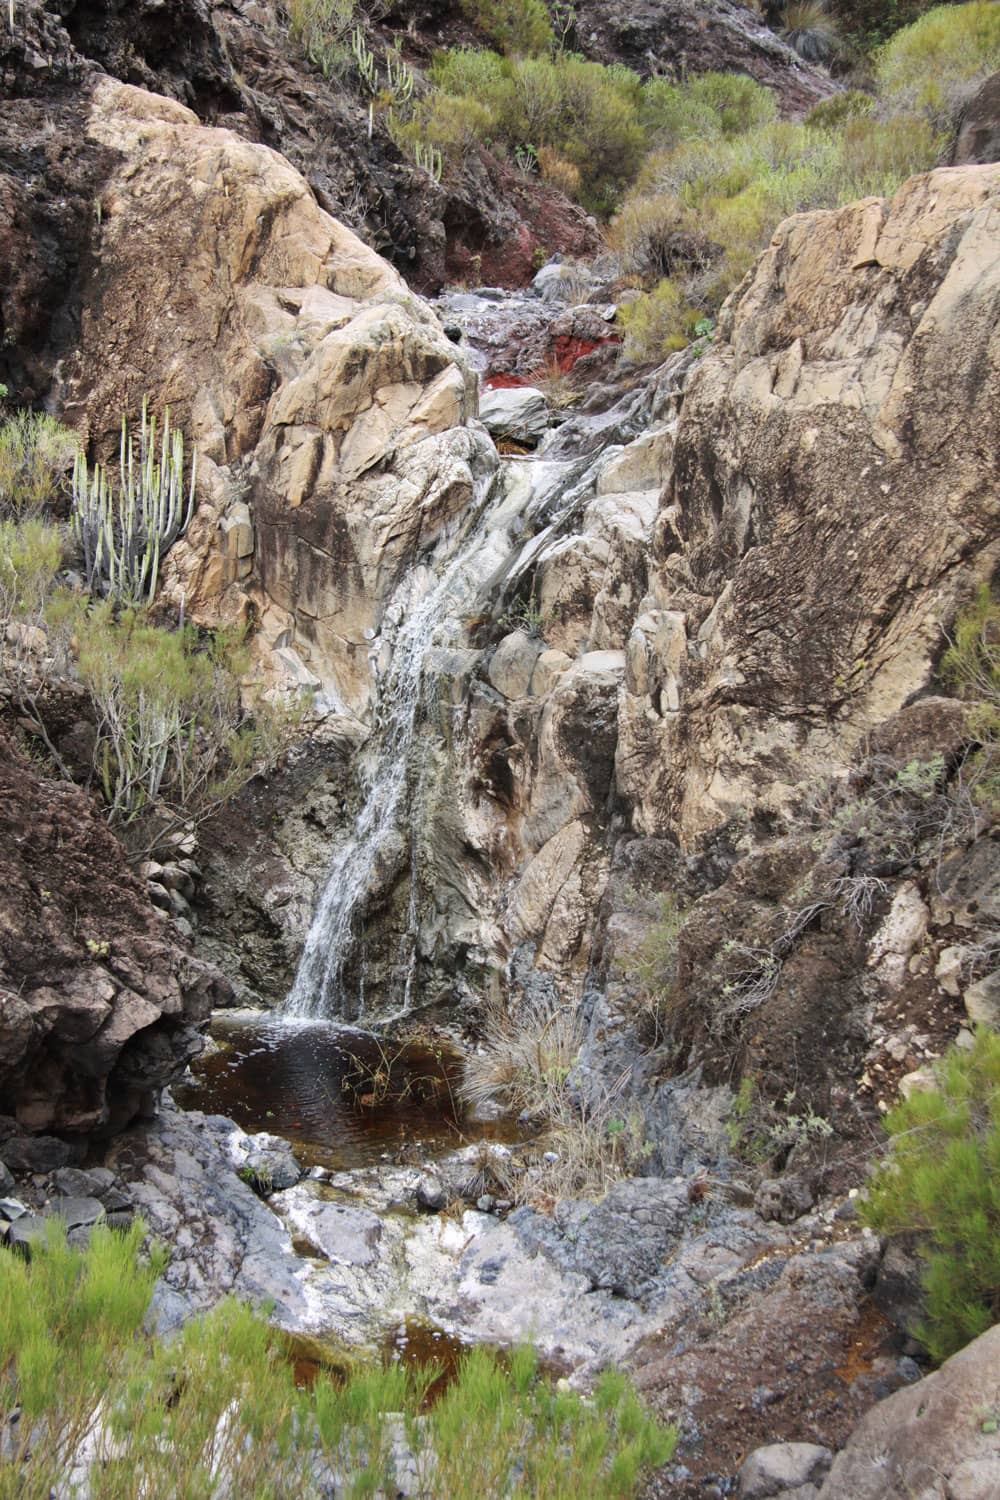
(123, 535)
(518, 27)
(940, 1181)
(172, 739)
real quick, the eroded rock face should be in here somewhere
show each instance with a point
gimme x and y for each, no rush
(823, 513)
(100, 1002)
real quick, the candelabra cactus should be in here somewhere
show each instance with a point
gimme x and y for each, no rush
(123, 535)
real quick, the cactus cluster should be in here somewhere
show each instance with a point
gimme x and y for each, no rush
(124, 531)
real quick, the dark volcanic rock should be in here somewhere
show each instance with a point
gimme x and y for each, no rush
(979, 129)
(100, 1005)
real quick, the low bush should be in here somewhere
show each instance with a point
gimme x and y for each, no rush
(971, 668)
(36, 455)
(935, 64)
(940, 1181)
(31, 554)
(107, 1409)
(656, 323)
(519, 27)
(527, 1060)
(585, 113)
(706, 211)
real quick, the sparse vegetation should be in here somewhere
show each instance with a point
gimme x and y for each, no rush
(588, 1138)
(939, 1180)
(172, 739)
(704, 211)
(36, 455)
(324, 27)
(216, 1412)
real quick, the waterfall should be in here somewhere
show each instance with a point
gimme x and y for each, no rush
(426, 610)
(516, 510)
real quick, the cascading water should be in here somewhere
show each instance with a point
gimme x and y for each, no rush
(516, 510)
(425, 611)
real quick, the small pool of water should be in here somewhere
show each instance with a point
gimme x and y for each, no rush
(343, 1098)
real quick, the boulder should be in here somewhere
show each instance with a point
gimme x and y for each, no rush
(100, 1004)
(520, 413)
(936, 1438)
(781, 1468)
(784, 1199)
(978, 139)
(431, 1194)
(285, 345)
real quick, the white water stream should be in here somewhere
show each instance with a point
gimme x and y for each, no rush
(515, 512)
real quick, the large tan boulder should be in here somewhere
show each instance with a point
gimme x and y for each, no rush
(323, 398)
(936, 1440)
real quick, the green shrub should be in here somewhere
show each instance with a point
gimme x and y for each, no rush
(935, 64)
(520, 27)
(940, 1180)
(971, 667)
(736, 101)
(830, 114)
(706, 210)
(586, 113)
(216, 1411)
(36, 454)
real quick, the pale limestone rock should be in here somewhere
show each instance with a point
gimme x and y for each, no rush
(920, 1081)
(549, 667)
(899, 935)
(278, 338)
(642, 465)
(930, 1439)
(809, 503)
(521, 413)
(948, 971)
(982, 1000)
(513, 664)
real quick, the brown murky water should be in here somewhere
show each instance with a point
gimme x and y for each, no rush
(343, 1098)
